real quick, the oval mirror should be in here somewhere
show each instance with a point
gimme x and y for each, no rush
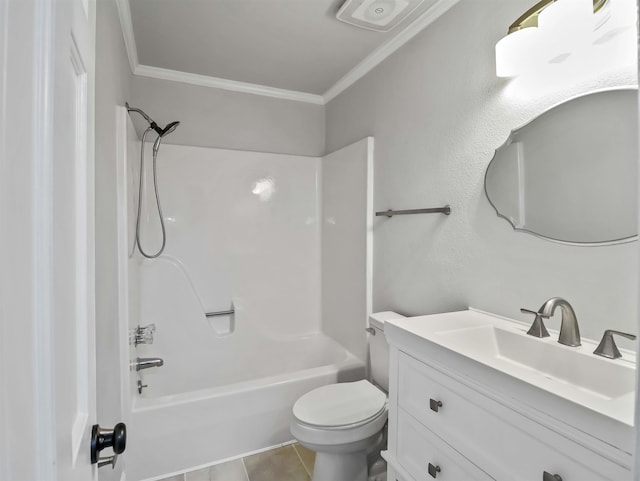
(570, 175)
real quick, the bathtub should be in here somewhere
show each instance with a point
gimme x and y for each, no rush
(189, 421)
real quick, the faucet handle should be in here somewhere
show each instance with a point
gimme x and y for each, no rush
(144, 334)
(607, 346)
(537, 329)
(149, 328)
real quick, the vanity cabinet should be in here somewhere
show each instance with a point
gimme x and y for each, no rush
(425, 455)
(446, 425)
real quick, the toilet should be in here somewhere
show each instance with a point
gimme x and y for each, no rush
(344, 423)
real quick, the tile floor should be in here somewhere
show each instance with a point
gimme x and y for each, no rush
(287, 463)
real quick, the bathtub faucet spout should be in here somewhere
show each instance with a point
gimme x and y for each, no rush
(146, 362)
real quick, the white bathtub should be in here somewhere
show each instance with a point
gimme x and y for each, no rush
(174, 428)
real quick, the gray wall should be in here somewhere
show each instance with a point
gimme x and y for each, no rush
(113, 79)
(231, 120)
(437, 112)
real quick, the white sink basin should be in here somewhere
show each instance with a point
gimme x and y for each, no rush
(599, 384)
(515, 350)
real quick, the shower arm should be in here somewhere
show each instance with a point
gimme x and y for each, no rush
(133, 109)
(170, 127)
(151, 122)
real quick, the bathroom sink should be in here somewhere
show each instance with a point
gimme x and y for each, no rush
(576, 368)
(575, 374)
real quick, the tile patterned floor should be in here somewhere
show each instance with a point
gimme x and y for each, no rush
(287, 463)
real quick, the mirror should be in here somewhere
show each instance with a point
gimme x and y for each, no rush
(570, 175)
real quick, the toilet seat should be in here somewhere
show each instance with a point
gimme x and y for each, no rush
(339, 414)
(340, 406)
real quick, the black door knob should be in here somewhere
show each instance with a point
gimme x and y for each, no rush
(101, 438)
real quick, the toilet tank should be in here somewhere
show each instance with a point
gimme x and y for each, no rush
(379, 348)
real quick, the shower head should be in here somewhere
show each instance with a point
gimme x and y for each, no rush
(162, 132)
(169, 128)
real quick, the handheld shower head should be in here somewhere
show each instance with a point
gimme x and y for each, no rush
(156, 146)
(169, 128)
(162, 132)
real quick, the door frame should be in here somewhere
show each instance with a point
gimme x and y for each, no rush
(28, 411)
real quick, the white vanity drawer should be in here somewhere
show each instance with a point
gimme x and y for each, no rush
(502, 442)
(419, 451)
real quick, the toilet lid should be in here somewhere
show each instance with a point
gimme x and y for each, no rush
(340, 404)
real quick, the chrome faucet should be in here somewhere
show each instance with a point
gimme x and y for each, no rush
(569, 331)
(146, 362)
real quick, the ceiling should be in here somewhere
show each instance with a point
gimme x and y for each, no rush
(295, 45)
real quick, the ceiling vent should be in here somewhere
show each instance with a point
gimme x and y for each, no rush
(380, 15)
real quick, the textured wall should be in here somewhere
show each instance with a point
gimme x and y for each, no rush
(231, 120)
(437, 112)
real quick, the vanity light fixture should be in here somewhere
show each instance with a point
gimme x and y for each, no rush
(546, 33)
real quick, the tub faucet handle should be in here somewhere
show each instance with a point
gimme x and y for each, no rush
(144, 334)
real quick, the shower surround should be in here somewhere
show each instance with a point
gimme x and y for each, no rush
(244, 233)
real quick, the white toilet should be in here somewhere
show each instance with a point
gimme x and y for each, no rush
(344, 422)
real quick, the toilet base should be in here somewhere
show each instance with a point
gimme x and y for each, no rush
(340, 467)
(351, 462)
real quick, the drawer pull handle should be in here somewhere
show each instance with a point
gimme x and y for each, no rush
(434, 470)
(551, 477)
(435, 405)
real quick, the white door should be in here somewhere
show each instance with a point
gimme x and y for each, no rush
(47, 347)
(73, 240)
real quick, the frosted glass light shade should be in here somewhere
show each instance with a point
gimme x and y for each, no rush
(516, 52)
(566, 15)
(566, 27)
(570, 32)
(615, 36)
(619, 16)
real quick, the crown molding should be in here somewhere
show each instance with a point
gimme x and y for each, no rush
(383, 51)
(355, 74)
(124, 12)
(233, 85)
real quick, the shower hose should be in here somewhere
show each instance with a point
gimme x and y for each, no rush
(157, 194)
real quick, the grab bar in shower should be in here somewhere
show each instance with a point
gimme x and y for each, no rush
(446, 210)
(220, 313)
